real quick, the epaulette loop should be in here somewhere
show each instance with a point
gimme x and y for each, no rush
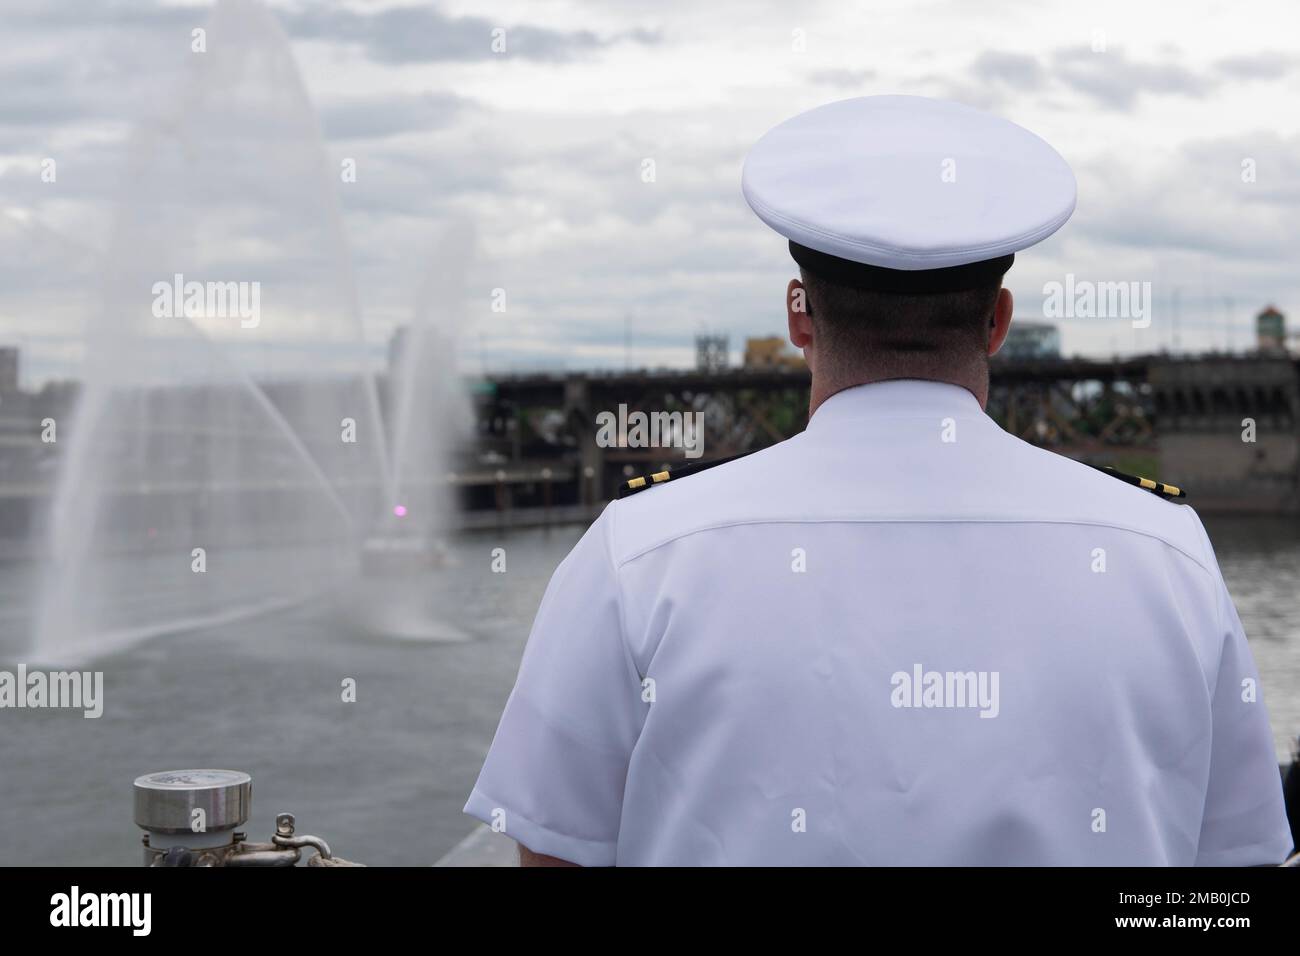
(1168, 492)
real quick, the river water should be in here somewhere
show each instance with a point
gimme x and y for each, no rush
(383, 778)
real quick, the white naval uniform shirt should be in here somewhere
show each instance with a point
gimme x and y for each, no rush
(723, 669)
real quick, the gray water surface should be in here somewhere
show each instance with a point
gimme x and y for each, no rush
(382, 779)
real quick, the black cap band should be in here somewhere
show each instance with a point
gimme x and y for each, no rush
(972, 275)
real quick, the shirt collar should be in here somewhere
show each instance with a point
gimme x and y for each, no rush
(898, 398)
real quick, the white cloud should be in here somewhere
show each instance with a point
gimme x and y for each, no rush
(541, 149)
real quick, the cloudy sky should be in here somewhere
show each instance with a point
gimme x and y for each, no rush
(522, 169)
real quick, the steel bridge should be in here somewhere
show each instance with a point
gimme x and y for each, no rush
(1124, 410)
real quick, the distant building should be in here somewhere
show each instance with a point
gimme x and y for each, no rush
(1031, 340)
(712, 352)
(8, 369)
(1270, 332)
(771, 352)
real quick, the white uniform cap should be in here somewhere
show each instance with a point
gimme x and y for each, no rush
(907, 193)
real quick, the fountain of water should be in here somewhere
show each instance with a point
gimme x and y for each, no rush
(221, 465)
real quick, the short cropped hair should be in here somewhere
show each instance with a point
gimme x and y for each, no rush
(903, 332)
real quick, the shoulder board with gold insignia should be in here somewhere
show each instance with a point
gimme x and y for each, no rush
(1168, 492)
(633, 485)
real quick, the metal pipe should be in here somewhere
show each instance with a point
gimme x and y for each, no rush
(270, 856)
(319, 845)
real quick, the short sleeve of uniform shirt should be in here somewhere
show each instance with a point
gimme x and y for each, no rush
(555, 773)
(1244, 823)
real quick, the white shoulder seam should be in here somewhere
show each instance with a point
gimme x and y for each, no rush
(620, 563)
(615, 567)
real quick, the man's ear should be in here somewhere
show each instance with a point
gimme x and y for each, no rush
(1000, 324)
(796, 315)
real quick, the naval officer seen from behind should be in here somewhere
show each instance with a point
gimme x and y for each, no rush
(903, 636)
